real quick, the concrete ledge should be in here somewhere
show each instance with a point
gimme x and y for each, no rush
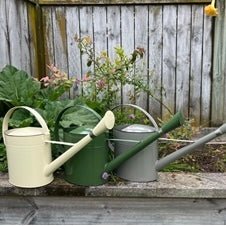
(170, 185)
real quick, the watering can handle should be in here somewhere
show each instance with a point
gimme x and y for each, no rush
(56, 130)
(142, 110)
(38, 117)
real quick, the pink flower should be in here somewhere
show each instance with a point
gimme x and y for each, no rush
(46, 80)
(100, 84)
(85, 78)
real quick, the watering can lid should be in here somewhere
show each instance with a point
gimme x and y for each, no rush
(24, 132)
(81, 130)
(137, 128)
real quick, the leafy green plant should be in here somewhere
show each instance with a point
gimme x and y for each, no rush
(102, 85)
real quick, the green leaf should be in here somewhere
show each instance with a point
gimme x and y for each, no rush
(17, 87)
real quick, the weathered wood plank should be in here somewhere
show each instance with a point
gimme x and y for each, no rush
(183, 58)
(48, 38)
(4, 36)
(169, 58)
(114, 36)
(24, 38)
(105, 210)
(86, 29)
(141, 41)
(206, 72)
(74, 56)
(113, 29)
(155, 58)
(100, 29)
(33, 41)
(14, 30)
(60, 38)
(127, 37)
(219, 67)
(105, 2)
(196, 64)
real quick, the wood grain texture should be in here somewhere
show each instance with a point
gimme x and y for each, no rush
(169, 59)
(113, 2)
(128, 43)
(155, 59)
(73, 52)
(196, 64)
(141, 41)
(4, 36)
(107, 210)
(183, 58)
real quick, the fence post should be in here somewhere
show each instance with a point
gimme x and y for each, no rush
(218, 111)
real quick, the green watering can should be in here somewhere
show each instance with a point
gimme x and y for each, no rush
(86, 166)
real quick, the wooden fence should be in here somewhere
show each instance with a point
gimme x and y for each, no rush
(177, 38)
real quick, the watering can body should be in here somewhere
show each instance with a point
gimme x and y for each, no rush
(86, 166)
(28, 150)
(140, 167)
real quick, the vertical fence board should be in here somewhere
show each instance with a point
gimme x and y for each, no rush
(219, 67)
(196, 63)
(114, 36)
(32, 24)
(127, 36)
(183, 58)
(14, 25)
(169, 58)
(113, 32)
(48, 37)
(4, 43)
(86, 28)
(155, 59)
(206, 72)
(60, 38)
(24, 38)
(100, 29)
(141, 41)
(74, 58)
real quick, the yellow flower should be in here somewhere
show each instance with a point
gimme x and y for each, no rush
(210, 10)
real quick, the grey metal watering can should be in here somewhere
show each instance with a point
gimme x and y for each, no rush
(125, 136)
(29, 149)
(159, 164)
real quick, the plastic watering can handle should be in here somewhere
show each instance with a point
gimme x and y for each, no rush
(142, 110)
(56, 130)
(38, 117)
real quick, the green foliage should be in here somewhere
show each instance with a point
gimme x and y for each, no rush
(103, 82)
(17, 88)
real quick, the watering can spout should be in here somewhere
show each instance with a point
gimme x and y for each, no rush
(106, 123)
(160, 164)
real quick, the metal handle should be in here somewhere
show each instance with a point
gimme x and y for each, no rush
(56, 130)
(142, 110)
(38, 117)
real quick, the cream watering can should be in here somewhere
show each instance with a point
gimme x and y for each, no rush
(29, 154)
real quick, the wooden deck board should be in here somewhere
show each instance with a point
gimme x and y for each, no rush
(106, 210)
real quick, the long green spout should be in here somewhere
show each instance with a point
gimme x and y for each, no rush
(175, 122)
